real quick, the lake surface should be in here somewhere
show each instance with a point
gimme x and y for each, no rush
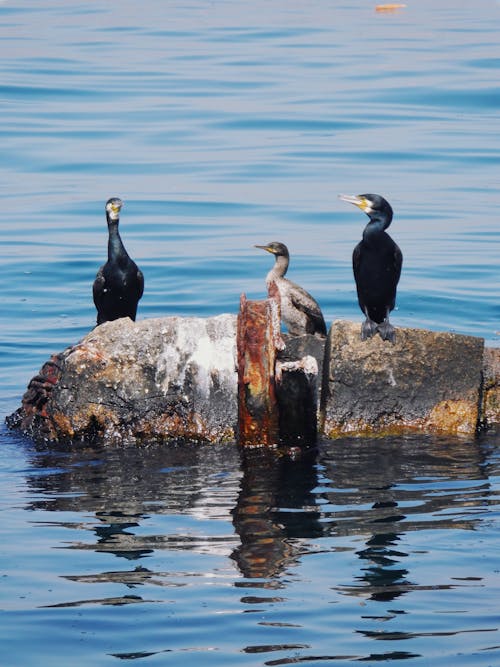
(223, 125)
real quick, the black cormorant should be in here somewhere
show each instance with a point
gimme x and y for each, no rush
(119, 283)
(299, 311)
(376, 263)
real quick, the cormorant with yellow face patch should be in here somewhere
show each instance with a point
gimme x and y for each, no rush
(376, 263)
(119, 283)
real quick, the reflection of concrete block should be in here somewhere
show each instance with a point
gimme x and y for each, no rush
(427, 381)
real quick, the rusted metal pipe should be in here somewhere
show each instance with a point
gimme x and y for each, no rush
(258, 334)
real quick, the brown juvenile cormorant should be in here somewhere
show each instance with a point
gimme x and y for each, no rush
(299, 311)
(119, 283)
(376, 262)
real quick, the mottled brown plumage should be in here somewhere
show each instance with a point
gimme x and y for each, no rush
(300, 312)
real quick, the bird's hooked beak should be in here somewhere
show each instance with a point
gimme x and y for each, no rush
(265, 247)
(361, 202)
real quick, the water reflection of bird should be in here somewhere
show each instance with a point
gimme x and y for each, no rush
(119, 283)
(299, 310)
(376, 262)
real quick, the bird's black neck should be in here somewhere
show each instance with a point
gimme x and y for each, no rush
(116, 249)
(376, 228)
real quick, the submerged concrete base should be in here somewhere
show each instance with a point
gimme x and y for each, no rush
(429, 381)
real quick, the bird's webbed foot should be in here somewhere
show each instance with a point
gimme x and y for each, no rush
(368, 329)
(387, 331)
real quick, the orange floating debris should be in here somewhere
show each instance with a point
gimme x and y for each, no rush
(389, 8)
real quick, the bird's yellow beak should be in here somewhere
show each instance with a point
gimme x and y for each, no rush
(264, 247)
(358, 201)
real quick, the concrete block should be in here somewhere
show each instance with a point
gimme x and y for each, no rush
(429, 381)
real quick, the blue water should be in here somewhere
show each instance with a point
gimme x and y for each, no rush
(222, 125)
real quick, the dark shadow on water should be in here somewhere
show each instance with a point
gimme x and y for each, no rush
(374, 490)
(385, 488)
(381, 575)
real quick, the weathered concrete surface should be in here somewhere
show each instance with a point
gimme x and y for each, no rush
(151, 380)
(490, 404)
(425, 381)
(176, 379)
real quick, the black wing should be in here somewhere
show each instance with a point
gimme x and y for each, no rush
(398, 262)
(140, 284)
(98, 288)
(356, 259)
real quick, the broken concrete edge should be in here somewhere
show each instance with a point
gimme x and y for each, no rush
(490, 389)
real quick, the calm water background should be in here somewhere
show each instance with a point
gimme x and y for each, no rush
(221, 125)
